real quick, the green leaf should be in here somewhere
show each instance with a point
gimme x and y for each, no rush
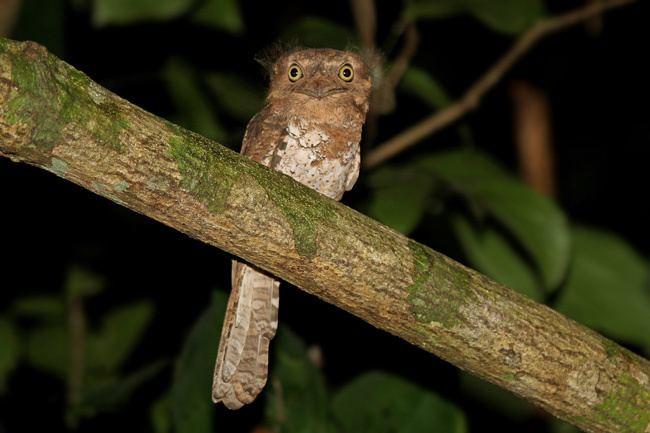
(80, 6)
(238, 97)
(297, 399)
(47, 349)
(193, 109)
(161, 419)
(489, 251)
(191, 406)
(378, 402)
(120, 12)
(506, 16)
(220, 14)
(9, 350)
(121, 330)
(421, 85)
(399, 196)
(313, 31)
(495, 398)
(534, 220)
(42, 22)
(82, 283)
(559, 426)
(607, 287)
(45, 307)
(110, 395)
(422, 9)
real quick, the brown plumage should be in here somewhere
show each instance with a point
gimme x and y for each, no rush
(309, 129)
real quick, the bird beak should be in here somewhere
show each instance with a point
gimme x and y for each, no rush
(320, 88)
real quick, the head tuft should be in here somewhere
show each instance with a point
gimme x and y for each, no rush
(269, 55)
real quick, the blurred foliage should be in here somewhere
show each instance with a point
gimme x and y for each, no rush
(87, 337)
(42, 21)
(193, 109)
(505, 16)
(189, 400)
(314, 31)
(608, 279)
(420, 84)
(49, 326)
(379, 402)
(9, 350)
(501, 215)
(220, 14)
(297, 400)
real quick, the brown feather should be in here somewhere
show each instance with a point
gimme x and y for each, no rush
(310, 130)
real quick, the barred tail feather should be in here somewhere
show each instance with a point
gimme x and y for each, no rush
(251, 322)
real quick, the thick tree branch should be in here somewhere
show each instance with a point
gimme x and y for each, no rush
(470, 100)
(54, 117)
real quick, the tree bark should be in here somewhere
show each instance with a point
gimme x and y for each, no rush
(54, 117)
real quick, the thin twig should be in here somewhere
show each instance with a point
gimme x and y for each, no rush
(77, 348)
(403, 59)
(533, 136)
(473, 95)
(9, 10)
(383, 97)
(365, 19)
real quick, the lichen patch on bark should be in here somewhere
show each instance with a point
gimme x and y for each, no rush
(121, 186)
(58, 167)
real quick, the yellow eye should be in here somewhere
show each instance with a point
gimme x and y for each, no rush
(346, 73)
(295, 72)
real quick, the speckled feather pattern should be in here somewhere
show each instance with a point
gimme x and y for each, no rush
(310, 130)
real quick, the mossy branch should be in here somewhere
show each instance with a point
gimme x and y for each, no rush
(54, 117)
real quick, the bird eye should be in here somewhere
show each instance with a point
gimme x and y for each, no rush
(295, 72)
(346, 73)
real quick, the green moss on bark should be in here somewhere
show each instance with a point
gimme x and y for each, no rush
(205, 175)
(49, 95)
(209, 171)
(627, 405)
(438, 291)
(35, 100)
(304, 220)
(611, 349)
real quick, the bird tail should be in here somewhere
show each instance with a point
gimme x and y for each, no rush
(250, 323)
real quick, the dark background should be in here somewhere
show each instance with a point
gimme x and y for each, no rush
(596, 85)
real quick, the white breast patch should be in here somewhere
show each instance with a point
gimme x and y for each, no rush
(304, 160)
